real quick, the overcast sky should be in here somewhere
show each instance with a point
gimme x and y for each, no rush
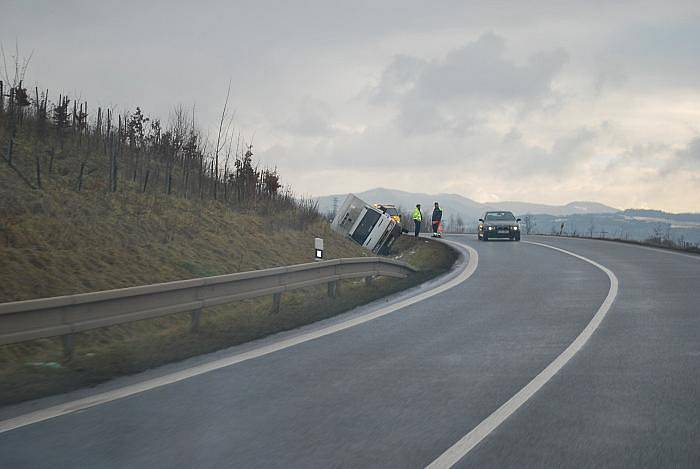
(544, 102)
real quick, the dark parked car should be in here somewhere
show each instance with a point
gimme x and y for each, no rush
(501, 225)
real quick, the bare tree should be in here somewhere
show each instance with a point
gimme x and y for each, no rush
(20, 66)
(223, 133)
(529, 224)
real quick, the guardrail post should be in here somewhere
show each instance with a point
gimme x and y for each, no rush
(276, 300)
(194, 323)
(36, 319)
(333, 289)
(68, 346)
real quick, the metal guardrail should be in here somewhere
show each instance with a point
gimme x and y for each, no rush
(66, 315)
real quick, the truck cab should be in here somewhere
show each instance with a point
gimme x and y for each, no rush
(390, 210)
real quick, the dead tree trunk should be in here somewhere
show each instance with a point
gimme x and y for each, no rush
(38, 172)
(113, 169)
(145, 181)
(80, 176)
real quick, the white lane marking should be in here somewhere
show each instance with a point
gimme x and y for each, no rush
(108, 396)
(633, 245)
(457, 451)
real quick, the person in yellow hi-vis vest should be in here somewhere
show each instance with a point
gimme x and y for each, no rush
(417, 219)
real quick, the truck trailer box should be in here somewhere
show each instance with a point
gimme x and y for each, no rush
(366, 225)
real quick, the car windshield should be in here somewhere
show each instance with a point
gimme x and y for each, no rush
(391, 211)
(499, 216)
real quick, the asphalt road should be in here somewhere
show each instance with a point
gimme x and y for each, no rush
(399, 390)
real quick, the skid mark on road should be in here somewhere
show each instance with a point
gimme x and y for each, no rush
(102, 398)
(481, 431)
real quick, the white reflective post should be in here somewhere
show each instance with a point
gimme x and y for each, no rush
(318, 245)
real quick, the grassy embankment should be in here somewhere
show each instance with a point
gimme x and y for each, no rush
(52, 254)
(58, 237)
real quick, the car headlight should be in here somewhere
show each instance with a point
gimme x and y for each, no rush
(490, 228)
(515, 228)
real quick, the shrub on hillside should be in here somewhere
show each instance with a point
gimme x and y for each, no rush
(66, 145)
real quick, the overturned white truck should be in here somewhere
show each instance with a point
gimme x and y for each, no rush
(366, 225)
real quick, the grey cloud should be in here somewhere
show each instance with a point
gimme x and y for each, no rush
(444, 102)
(514, 135)
(609, 75)
(398, 78)
(480, 71)
(679, 39)
(469, 81)
(646, 155)
(685, 159)
(650, 54)
(518, 159)
(484, 152)
(312, 117)
(691, 153)
(664, 159)
(382, 148)
(421, 117)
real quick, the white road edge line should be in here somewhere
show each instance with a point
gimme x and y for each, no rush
(632, 245)
(460, 449)
(108, 396)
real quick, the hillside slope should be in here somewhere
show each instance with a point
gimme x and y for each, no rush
(61, 242)
(93, 200)
(89, 205)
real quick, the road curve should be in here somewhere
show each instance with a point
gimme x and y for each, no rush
(399, 390)
(461, 272)
(460, 449)
(631, 397)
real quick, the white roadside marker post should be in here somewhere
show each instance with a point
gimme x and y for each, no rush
(318, 256)
(318, 244)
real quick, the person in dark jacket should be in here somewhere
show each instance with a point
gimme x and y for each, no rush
(437, 219)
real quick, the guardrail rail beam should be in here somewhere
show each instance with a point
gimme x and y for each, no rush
(66, 315)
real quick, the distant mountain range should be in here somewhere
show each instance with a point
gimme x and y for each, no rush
(638, 225)
(459, 206)
(575, 218)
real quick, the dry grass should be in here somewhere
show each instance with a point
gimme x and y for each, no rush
(35, 369)
(59, 241)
